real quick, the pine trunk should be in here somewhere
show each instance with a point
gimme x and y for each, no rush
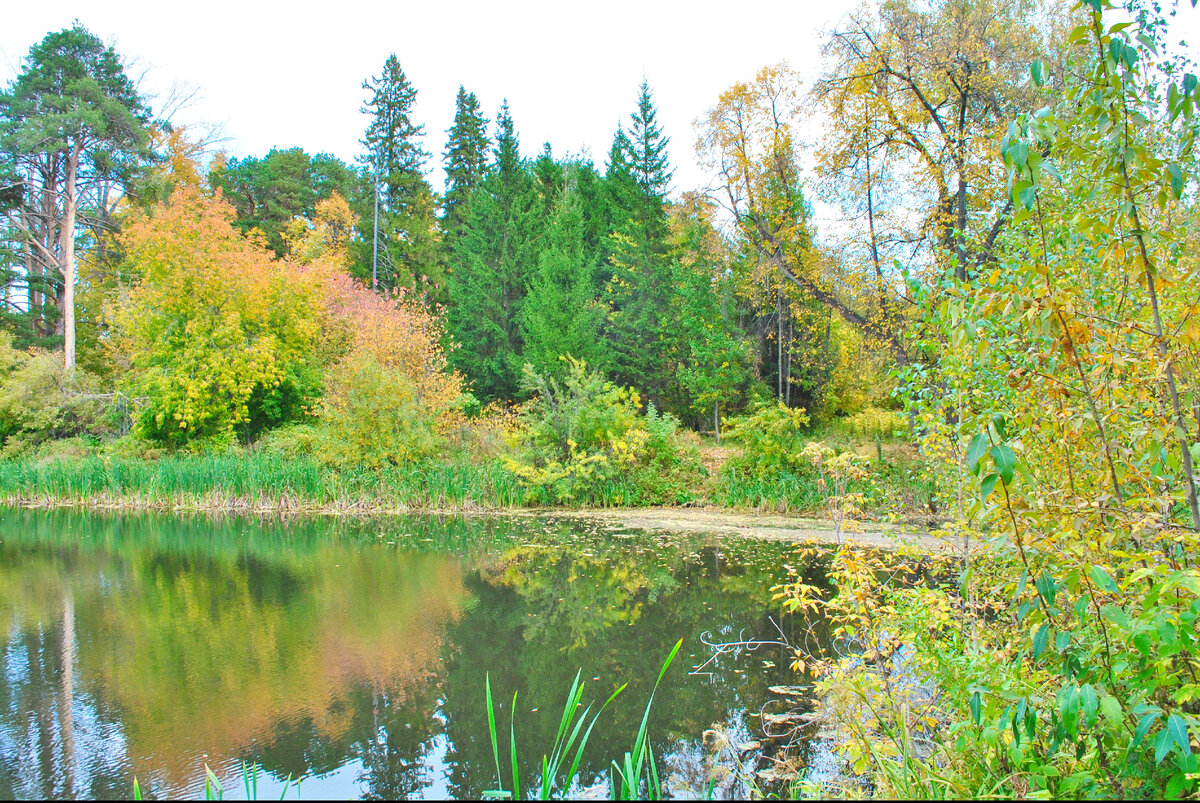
(67, 265)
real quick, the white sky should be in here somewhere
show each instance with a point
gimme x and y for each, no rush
(277, 74)
(285, 74)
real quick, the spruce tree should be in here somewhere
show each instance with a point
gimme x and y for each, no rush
(550, 176)
(561, 315)
(647, 149)
(392, 140)
(465, 160)
(491, 262)
(639, 256)
(409, 247)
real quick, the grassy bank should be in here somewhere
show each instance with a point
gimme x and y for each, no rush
(254, 481)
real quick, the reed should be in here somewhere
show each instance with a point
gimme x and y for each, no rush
(254, 482)
(626, 774)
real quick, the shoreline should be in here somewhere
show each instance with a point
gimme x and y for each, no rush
(680, 519)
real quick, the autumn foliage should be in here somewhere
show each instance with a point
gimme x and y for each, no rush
(223, 340)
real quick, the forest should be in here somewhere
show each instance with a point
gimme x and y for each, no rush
(996, 337)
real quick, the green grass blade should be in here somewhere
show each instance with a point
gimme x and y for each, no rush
(562, 740)
(512, 737)
(655, 786)
(491, 712)
(212, 785)
(286, 785)
(639, 747)
(137, 790)
(583, 742)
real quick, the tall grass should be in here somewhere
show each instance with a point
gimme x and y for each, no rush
(262, 481)
(891, 487)
(254, 481)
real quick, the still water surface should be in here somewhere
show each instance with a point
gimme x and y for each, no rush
(352, 654)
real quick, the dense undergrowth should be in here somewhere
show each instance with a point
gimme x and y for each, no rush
(93, 475)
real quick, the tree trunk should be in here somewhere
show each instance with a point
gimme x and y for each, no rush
(67, 266)
(779, 344)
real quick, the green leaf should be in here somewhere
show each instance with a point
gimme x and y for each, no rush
(1037, 71)
(1143, 728)
(1115, 614)
(1046, 586)
(1162, 746)
(1040, 640)
(1091, 704)
(1102, 579)
(1027, 196)
(1111, 708)
(1068, 708)
(988, 485)
(1019, 154)
(1176, 180)
(976, 451)
(1179, 732)
(1006, 462)
(976, 707)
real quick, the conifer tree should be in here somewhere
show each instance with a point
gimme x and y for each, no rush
(647, 148)
(550, 177)
(561, 315)
(490, 266)
(392, 140)
(73, 129)
(409, 249)
(639, 253)
(465, 160)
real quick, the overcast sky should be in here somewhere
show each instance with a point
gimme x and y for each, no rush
(285, 74)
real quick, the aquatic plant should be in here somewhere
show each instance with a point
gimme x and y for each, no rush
(626, 774)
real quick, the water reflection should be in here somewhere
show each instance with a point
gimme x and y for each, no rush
(352, 654)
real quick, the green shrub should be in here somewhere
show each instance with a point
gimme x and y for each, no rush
(772, 439)
(290, 442)
(873, 422)
(74, 448)
(371, 416)
(39, 402)
(585, 440)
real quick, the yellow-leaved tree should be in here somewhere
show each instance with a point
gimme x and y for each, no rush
(221, 339)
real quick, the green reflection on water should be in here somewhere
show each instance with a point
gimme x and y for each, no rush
(352, 652)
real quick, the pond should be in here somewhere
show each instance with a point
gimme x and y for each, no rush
(352, 654)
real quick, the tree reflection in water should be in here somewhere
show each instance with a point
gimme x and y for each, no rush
(352, 654)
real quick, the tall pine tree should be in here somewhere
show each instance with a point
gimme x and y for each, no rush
(465, 160)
